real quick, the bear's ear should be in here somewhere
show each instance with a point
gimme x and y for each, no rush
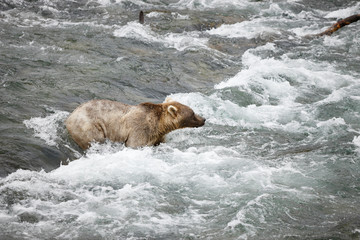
(168, 99)
(172, 110)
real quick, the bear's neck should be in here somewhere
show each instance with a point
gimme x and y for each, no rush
(165, 125)
(159, 119)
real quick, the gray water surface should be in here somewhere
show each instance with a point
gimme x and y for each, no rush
(278, 157)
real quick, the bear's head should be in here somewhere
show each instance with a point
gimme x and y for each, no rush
(181, 115)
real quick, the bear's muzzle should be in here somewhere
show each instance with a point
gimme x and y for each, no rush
(199, 121)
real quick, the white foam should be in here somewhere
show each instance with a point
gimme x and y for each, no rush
(306, 30)
(111, 2)
(180, 16)
(270, 72)
(175, 15)
(154, 14)
(215, 110)
(47, 127)
(205, 4)
(33, 20)
(224, 112)
(356, 142)
(49, 8)
(269, 179)
(240, 218)
(179, 41)
(124, 186)
(149, 190)
(275, 85)
(314, 28)
(245, 29)
(345, 12)
(266, 79)
(333, 41)
(331, 122)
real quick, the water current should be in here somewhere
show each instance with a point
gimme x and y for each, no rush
(278, 157)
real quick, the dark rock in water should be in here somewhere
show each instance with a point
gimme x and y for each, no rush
(30, 217)
(47, 13)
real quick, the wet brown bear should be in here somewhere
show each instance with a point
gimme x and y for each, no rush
(145, 124)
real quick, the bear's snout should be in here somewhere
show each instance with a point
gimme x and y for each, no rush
(201, 121)
(193, 122)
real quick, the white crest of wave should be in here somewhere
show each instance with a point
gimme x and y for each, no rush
(345, 12)
(179, 41)
(114, 189)
(46, 127)
(205, 4)
(109, 163)
(155, 14)
(227, 113)
(314, 28)
(356, 142)
(277, 74)
(245, 29)
(328, 126)
(275, 84)
(111, 2)
(214, 109)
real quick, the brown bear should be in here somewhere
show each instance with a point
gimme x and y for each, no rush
(145, 124)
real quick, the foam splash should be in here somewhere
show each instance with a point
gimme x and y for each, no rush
(205, 4)
(47, 127)
(277, 84)
(245, 29)
(151, 190)
(275, 73)
(181, 42)
(273, 88)
(345, 12)
(356, 142)
(111, 2)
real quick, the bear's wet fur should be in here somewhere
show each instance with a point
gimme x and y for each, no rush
(140, 125)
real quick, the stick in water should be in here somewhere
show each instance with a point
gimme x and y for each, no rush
(340, 24)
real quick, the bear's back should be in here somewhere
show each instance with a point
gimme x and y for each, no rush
(96, 109)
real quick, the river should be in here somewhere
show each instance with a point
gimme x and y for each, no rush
(278, 157)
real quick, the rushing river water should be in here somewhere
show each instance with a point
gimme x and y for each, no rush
(278, 157)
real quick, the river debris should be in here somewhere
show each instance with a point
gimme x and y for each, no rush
(339, 24)
(336, 26)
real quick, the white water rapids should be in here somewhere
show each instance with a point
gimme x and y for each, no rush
(278, 157)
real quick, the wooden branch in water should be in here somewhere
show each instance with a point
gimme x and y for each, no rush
(340, 24)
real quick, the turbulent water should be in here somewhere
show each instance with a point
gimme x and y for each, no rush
(278, 157)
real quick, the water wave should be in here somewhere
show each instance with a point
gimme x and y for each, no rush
(181, 42)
